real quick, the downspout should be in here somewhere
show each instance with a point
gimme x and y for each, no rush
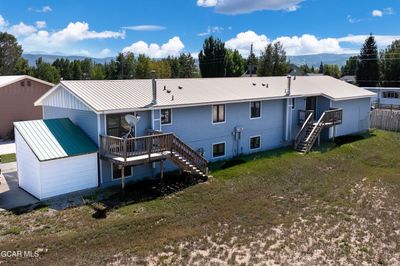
(288, 115)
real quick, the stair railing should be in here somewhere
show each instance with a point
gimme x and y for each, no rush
(307, 123)
(189, 154)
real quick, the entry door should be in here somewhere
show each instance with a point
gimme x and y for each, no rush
(311, 104)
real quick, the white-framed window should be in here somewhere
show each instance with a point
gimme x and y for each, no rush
(166, 116)
(255, 110)
(116, 172)
(218, 113)
(255, 142)
(218, 150)
(293, 103)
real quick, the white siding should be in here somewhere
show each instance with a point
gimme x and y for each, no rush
(28, 167)
(68, 175)
(64, 99)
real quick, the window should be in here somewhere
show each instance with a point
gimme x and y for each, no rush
(28, 83)
(22, 83)
(391, 94)
(166, 116)
(219, 150)
(117, 172)
(255, 109)
(117, 125)
(293, 103)
(255, 142)
(218, 112)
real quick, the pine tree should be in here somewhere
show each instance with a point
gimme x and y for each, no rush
(212, 59)
(390, 65)
(266, 62)
(368, 65)
(321, 68)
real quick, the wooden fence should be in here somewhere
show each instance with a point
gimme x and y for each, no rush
(385, 119)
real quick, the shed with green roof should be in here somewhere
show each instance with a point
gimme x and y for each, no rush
(54, 157)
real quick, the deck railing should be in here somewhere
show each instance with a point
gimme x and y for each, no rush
(147, 145)
(130, 147)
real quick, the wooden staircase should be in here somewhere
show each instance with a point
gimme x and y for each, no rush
(153, 148)
(311, 131)
(188, 159)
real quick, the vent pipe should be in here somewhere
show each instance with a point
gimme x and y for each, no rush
(154, 87)
(289, 84)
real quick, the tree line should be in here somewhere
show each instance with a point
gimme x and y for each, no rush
(374, 68)
(215, 60)
(371, 67)
(124, 66)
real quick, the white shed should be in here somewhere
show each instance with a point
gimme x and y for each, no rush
(54, 157)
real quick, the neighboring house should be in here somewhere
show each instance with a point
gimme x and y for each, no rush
(350, 79)
(17, 95)
(385, 97)
(203, 119)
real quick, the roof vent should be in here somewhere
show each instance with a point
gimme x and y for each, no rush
(180, 87)
(254, 84)
(168, 91)
(172, 98)
(165, 88)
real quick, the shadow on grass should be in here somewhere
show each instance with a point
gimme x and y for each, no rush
(143, 191)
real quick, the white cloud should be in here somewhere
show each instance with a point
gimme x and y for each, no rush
(173, 47)
(381, 40)
(353, 20)
(381, 13)
(40, 24)
(377, 13)
(210, 31)
(3, 22)
(21, 29)
(310, 44)
(34, 38)
(145, 28)
(43, 9)
(388, 11)
(207, 3)
(305, 44)
(105, 52)
(234, 7)
(243, 41)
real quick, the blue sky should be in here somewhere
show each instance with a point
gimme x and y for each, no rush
(160, 27)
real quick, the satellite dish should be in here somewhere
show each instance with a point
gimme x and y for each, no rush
(132, 122)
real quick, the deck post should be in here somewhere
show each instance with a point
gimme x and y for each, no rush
(334, 132)
(123, 178)
(162, 169)
(319, 139)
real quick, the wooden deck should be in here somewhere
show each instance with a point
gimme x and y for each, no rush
(152, 148)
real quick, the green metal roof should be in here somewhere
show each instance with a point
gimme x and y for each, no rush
(55, 138)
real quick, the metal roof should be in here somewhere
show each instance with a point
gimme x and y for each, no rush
(120, 95)
(55, 138)
(7, 80)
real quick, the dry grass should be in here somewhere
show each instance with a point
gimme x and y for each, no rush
(333, 206)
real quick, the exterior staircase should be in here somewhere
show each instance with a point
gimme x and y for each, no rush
(188, 159)
(311, 131)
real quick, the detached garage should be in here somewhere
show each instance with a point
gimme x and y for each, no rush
(54, 157)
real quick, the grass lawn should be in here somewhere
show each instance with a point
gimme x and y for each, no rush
(336, 205)
(7, 158)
